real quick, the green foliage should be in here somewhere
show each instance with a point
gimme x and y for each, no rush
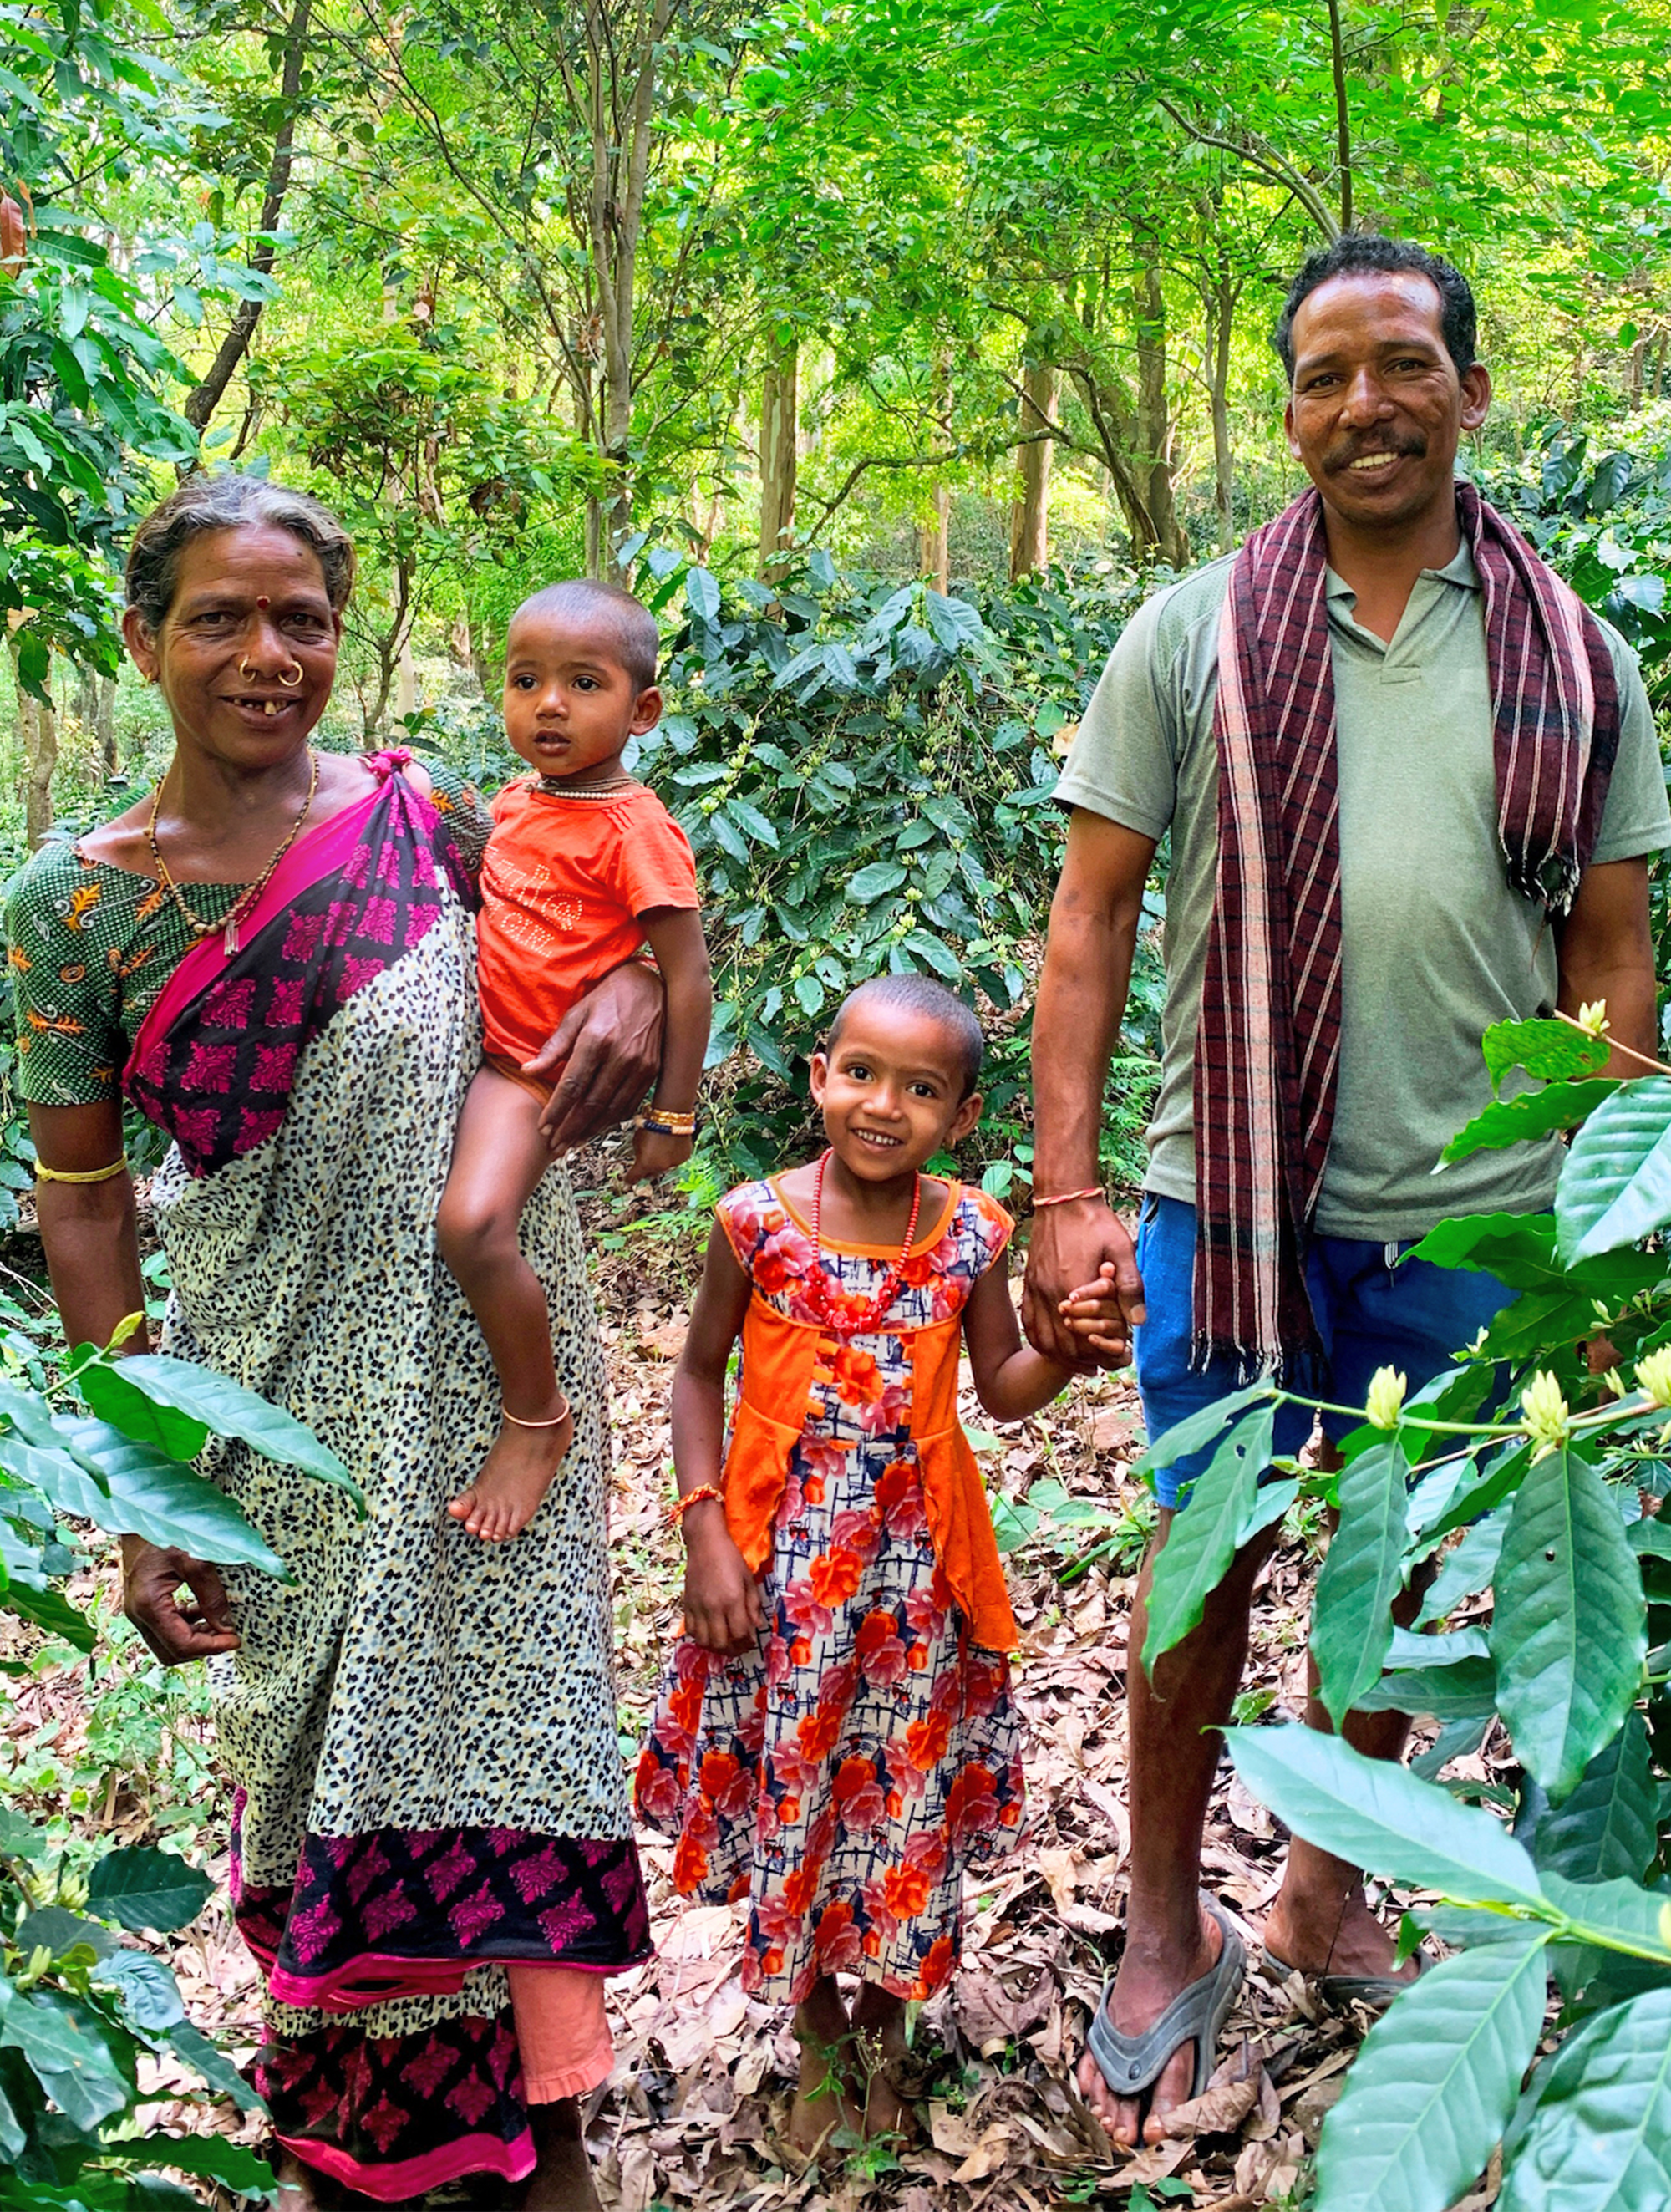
(78, 2008)
(1562, 1580)
(84, 376)
(865, 772)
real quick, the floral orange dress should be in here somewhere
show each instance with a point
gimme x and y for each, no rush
(842, 1775)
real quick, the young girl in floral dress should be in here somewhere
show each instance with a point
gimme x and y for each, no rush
(837, 1740)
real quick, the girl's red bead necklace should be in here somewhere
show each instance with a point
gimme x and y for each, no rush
(847, 1321)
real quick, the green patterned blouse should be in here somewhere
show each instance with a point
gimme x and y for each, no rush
(90, 946)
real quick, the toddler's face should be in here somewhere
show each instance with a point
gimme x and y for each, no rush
(891, 1092)
(570, 706)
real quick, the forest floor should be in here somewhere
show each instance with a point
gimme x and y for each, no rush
(691, 2120)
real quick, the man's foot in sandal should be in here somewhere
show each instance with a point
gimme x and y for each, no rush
(1342, 1947)
(1152, 1977)
(515, 1476)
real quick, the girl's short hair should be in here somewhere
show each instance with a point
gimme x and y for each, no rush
(921, 994)
(205, 502)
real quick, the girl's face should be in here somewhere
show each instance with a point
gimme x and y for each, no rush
(246, 654)
(891, 1092)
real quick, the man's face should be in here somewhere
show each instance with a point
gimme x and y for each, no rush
(1376, 408)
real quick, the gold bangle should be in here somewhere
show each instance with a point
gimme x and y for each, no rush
(43, 1173)
(661, 1123)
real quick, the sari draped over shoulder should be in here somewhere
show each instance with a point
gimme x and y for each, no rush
(422, 1727)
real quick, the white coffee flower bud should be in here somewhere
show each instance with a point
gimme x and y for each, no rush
(1386, 1398)
(1544, 1414)
(1653, 1376)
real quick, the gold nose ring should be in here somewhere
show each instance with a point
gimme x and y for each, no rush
(289, 681)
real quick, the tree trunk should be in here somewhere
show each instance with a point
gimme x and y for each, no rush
(1029, 520)
(38, 727)
(1224, 457)
(779, 452)
(1154, 427)
(200, 404)
(934, 541)
(103, 722)
(620, 178)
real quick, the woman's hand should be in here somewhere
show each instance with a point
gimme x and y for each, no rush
(604, 1057)
(722, 1607)
(173, 1631)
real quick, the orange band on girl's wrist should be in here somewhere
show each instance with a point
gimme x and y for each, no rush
(707, 1494)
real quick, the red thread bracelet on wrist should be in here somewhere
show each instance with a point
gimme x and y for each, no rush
(707, 1494)
(1068, 1197)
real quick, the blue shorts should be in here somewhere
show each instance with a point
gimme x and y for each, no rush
(1369, 1314)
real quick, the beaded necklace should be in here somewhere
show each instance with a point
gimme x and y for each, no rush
(551, 786)
(870, 1315)
(244, 904)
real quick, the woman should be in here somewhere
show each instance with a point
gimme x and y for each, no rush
(273, 956)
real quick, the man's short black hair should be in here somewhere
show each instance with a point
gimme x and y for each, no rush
(637, 638)
(1360, 251)
(921, 994)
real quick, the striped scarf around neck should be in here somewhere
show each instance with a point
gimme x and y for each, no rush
(1267, 1045)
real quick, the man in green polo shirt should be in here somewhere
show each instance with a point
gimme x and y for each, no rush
(1411, 787)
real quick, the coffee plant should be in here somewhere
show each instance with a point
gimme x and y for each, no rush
(108, 1443)
(1523, 1492)
(865, 771)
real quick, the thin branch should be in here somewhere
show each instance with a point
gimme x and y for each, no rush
(1269, 163)
(1342, 113)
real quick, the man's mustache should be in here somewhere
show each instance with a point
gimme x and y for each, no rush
(1404, 442)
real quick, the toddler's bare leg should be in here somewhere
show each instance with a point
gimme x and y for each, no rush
(878, 2032)
(499, 1156)
(823, 2097)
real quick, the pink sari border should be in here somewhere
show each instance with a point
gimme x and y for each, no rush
(415, 2177)
(376, 1977)
(316, 854)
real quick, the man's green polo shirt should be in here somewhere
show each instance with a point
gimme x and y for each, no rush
(1435, 946)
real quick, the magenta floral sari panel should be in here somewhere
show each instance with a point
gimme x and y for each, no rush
(402, 2114)
(213, 1061)
(400, 1912)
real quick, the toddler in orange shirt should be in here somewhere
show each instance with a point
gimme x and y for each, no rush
(583, 867)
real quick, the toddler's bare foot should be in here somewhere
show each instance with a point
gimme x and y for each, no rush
(515, 1476)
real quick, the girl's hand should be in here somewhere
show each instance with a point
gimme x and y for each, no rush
(654, 1156)
(1094, 1315)
(722, 1607)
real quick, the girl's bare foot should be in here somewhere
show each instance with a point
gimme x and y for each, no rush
(824, 2103)
(878, 2035)
(562, 2181)
(515, 1476)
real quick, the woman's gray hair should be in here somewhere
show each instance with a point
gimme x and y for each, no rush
(205, 502)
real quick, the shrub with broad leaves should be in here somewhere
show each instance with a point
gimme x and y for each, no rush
(110, 1444)
(1529, 1488)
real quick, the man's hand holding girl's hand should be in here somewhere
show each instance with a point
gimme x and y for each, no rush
(1073, 1249)
(723, 1610)
(1096, 1315)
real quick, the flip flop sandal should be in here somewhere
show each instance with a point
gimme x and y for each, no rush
(1375, 1990)
(1131, 2064)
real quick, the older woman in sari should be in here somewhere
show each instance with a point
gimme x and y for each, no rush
(273, 958)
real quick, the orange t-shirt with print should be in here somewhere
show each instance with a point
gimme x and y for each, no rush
(563, 884)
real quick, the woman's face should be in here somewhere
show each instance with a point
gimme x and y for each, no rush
(246, 654)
